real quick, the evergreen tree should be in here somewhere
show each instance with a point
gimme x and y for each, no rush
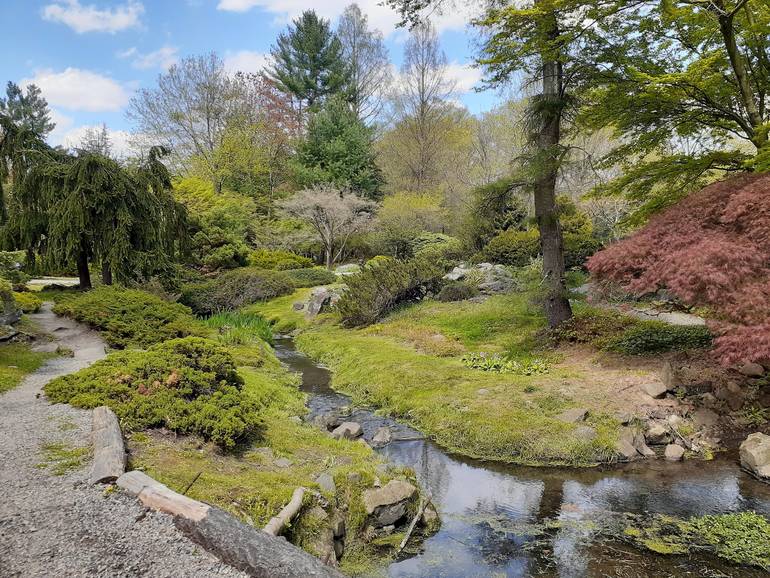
(27, 110)
(308, 61)
(87, 209)
(338, 150)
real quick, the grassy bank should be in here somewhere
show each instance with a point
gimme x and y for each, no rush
(411, 366)
(17, 360)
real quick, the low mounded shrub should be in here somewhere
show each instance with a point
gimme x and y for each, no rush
(382, 285)
(278, 259)
(129, 317)
(234, 289)
(515, 248)
(188, 385)
(311, 277)
(457, 291)
(11, 263)
(228, 256)
(620, 333)
(29, 302)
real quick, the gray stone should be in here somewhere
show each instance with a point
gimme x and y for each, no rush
(322, 299)
(339, 548)
(298, 306)
(322, 540)
(265, 453)
(674, 452)
(750, 369)
(348, 430)
(573, 415)
(585, 433)
(482, 391)
(282, 463)
(382, 437)
(624, 417)
(429, 516)
(354, 477)
(703, 417)
(327, 421)
(669, 376)
(338, 525)
(655, 389)
(326, 482)
(755, 455)
(387, 505)
(657, 434)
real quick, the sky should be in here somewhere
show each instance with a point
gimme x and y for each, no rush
(90, 56)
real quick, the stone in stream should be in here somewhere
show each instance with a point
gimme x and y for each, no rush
(327, 421)
(631, 445)
(381, 437)
(674, 452)
(657, 434)
(573, 415)
(387, 505)
(348, 430)
(755, 455)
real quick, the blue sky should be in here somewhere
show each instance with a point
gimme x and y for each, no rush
(89, 56)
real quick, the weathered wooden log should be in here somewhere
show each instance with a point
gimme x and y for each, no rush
(420, 509)
(277, 524)
(109, 452)
(253, 551)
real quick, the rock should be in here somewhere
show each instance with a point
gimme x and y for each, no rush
(674, 420)
(705, 417)
(429, 516)
(755, 455)
(326, 483)
(625, 445)
(457, 273)
(669, 376)
(348, 430)
(585, 433)
(339, 548)
(387, 505)
(708, 399)
(388, 530)
(354, 477)
(381, 437)
(751, 369)
(327, 421)
(482, 391)
(265, 453)
(322, 540)
(282, 463)
(674, 452)
(624, 417)
(644, 450)
(338, 526)
(298, 306)
(322, 299)
(7, 332)
(573, 415)
(657, 434)
(656, 390)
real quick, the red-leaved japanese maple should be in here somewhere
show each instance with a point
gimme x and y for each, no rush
(711, 249)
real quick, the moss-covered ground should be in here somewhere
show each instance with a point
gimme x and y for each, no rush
(16, 361)
(410, 365)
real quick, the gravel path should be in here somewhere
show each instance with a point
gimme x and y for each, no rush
(57, 526)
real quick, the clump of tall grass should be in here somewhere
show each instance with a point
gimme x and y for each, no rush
(237, 328)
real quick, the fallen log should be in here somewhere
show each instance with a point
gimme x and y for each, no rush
(277, 524)
(109, 452)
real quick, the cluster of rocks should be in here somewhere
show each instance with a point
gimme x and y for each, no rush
(321, 299)
(493, 278)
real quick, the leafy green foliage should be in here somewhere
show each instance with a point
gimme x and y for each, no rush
(278, 259)
(187, 385)
(457, 291)
(311, 277)
(234, 289)
(11, 267)
(129, 317)
(237, 328)
(512, 247)
(382, 285)
(337, 149)
(28, 302)
(495, 208)
(497, 363)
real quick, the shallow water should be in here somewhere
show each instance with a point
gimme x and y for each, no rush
(488, 510)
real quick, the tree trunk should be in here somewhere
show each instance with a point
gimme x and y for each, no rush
(557, 307)
(328, 258)
(106, 273)
(83, 273)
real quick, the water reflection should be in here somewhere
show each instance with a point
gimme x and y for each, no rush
(488, 510)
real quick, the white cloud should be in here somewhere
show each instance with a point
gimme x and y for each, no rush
(381, 17)
(76, 89)
(120, 140)
(465, 76)
(163, 58)
(246, 61)
(91, 18)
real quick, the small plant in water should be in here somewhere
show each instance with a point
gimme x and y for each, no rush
(499, 364)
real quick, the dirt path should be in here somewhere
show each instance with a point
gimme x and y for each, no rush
(58, 525)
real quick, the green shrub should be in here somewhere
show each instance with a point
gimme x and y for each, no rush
(240, 328)
(497, 363)
(457, 291)
(311, 277)
(228, 256)
(188, 385)
(384, 284)
(28, 302)
(11, 263)
(278, 259)
(234, 289)
(129, 317)
(656, 336)
(515, 248)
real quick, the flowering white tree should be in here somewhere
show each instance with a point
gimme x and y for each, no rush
(334, 215)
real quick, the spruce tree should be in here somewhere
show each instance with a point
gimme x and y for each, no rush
(27, 110)
(308, 61)
(338, 150)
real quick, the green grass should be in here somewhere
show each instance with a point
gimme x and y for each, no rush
(236, 328)
(61, 458)
(16, 361)
(279, 312)
(410, 365)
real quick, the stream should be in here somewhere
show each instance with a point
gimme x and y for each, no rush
(488, 510)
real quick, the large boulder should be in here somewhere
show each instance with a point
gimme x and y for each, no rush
(322, 299)
(494, 278)
(755, 455)
(388, 504)
(348, 430)
(382, 437)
